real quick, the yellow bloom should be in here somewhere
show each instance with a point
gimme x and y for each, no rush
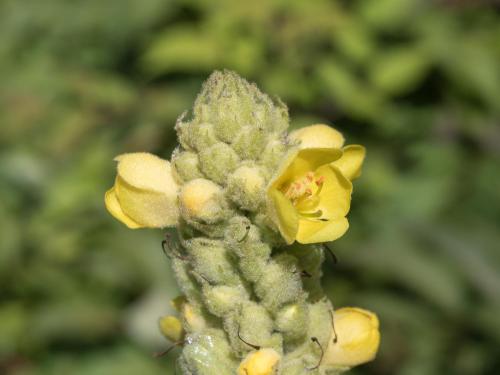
(171, 328)
(324, 136)
(199, 199)
(310, 197)
(261, 362)
(358, 338)
(318, 135)
(145, 193)
(191, 316)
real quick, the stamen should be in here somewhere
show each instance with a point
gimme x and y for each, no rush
(333, 327)
(247, 228)
(169, 248)
(256, 347)
(320, 186)
(165, 352)
(315, 340)
(304, 273)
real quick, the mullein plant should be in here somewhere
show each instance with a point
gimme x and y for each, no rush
(252, 206)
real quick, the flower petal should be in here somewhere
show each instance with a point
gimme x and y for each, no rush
(149, 208)
(285, 215)
(358, 338)
(311, 231)
(318, 135)
(261, 362)
(335, 195)
(306, 160)
(146, 172)
(113, 206)
(351, 161)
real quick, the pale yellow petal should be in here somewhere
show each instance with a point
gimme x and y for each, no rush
(286, 216)
(351, 161)
(318, 135)
(113, 206)
(357, 338)
(146, 172)
(261, 362)
(304, 161)
(149, 208)
(200, 199)
(314, 231)
(171, 328)
(335, 195)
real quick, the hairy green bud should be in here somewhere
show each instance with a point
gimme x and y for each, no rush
(186, 166)
(252, 305)
(217, 161)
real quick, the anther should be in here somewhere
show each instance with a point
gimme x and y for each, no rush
(165, 352)
(304, 273)
(169, 248)
(315, 340)
(335, 339)
(247, 228)
(256, 347)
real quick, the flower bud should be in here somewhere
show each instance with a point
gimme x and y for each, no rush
(292, 321)
(211, 259)
(250, 142)
(171, 328)
(201, 200)
(222, 299)
(355, 340)
(193, 318)
(246, 187)
(208, 353)
(262, 362)
(186, 166)
(273, 153)
(196, 136)
(191, 315)
(145, 192)
(318, 136)
(218, 161)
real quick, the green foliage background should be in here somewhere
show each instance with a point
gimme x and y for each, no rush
(417, 82)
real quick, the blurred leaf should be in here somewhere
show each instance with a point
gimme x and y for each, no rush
(399, 70)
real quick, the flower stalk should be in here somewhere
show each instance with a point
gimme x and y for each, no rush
(251, 206)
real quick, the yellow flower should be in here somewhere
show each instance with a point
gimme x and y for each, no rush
(191, 316)
(357, 338)
(145, 192)
(318, 135)
(324, 136)
(310, 197)
(200, 199)
(171, 328)
(261, 362)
